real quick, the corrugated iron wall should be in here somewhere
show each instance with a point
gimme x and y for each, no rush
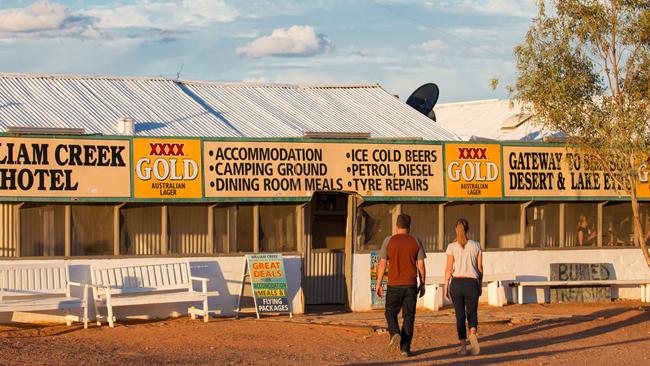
(188, 230)
(141, 230)
(91, 229)
(42, 231)
(8, 230)
(325, 277)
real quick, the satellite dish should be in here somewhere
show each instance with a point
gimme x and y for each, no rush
(424, 98)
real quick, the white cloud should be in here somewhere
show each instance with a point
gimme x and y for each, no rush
(432, 45)
(124, 16)
(367, 52)
(163, 15)
(295, 41)
(45, 20)
(36, 17)
(248, 34)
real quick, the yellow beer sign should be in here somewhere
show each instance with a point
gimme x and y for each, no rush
(167, 168)
(643, 188)
(473, 170)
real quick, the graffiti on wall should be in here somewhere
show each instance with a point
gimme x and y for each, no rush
(580, 272)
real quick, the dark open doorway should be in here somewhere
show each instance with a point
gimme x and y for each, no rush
(324, 277)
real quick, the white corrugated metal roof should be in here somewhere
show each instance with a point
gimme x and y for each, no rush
(485, 118)
(167, 107)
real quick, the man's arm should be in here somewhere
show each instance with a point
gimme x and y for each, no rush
(422, 272)
(383, 256)
(380, 276)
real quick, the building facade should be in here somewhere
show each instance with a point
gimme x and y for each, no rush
(143, 170)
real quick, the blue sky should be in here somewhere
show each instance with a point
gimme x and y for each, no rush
(460, 45)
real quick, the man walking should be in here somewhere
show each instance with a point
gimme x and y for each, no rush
(405, 256)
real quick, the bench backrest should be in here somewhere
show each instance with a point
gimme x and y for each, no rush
(33, 279)
(143, 278)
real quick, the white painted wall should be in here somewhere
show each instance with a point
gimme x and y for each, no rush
(527, 265)
(225, 274)
(225, 277)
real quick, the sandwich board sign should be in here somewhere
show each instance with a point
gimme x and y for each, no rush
(268, 283)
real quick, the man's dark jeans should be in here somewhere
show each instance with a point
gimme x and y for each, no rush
(404, 298)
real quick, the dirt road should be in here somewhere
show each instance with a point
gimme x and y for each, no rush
(603, 334)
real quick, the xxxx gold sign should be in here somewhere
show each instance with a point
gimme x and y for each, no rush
(285, 169)
(643, 188)
(166, 168)
(473, 171)
(544, 171)
(45, 167)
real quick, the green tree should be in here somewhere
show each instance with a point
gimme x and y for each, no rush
(584, 69)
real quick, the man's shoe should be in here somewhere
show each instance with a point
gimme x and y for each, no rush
(405, 352)
(394, 343)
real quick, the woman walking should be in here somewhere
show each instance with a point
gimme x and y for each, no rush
(465, 271)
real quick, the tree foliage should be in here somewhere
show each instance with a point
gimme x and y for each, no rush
(584, 69)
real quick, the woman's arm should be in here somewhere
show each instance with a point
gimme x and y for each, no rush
(380, 276)
(448, 272)
(480, 262)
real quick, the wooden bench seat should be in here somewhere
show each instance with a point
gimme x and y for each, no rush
(41, 287)
(116, 285)
(155, 298)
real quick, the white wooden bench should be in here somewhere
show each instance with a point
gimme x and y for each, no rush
(495, 289)
(40, 287)
(116, 285)
(644, 284)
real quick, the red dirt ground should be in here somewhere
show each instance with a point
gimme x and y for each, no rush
(600, 334)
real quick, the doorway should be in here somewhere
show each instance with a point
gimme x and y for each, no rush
(328, 253)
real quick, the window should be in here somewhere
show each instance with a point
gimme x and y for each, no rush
(469, 211)
(424, 223)
(8, 230)
(502, 225)
(278, 232)
(141, 230)
(543, 225)
(374, 224)
(222, 215)
(618, 225)
(580, 218)
(644, 217)
(92, 229)
(42, 230)
(329, 221)
(188, 229)
(243, 237)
